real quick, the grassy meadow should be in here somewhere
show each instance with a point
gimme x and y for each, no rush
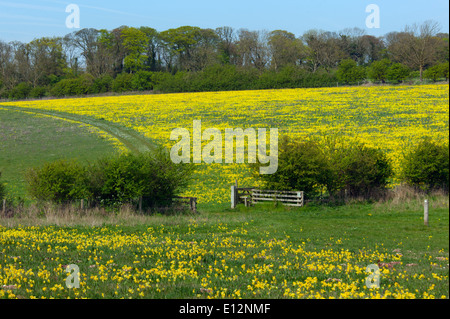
(390, 117)
(29, 140)
(265, 251)
(259, 252)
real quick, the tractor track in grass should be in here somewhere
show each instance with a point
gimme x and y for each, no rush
(131, 139)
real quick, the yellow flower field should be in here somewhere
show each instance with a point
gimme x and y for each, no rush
(223, 262)
(390, 117)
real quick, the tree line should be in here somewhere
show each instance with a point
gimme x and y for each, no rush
(190, 58)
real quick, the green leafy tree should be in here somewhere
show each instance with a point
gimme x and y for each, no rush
(397, 72)
(21, 91)
(122, 83)
(356, 169)
(119, 179)
(46, 58)
(227, 48)
(38, 92)
(59, 181)
(378, 70)
(111, 52)
(152, 62)
(426, 165)
(437, 72)
(135, 42)
(103, 84)
(142, 80)
(83, 84)
(433, 73)
(444, 70)
(302, 166)
(364, 171)
(285, 49)
(349, 72)
(180, 44)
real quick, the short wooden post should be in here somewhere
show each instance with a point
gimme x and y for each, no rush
(82, 204)
(4, 206)
(233, 196)
(425, 213)
(193, 204)
(140, 204)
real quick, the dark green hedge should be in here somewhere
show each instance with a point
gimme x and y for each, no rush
(340, 169)
(426, 165)
(111, 181)
(213, 78)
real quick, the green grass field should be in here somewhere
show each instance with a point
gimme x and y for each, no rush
(29, 141)
(257, 252)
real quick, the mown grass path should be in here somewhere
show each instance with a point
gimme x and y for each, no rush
(131, 139)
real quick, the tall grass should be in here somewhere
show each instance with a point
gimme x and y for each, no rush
(400, 199)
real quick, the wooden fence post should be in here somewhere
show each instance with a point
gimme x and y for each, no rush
(193, 204)
(82, 204)
(4, 206)
(140, 204)
(425, 213)
(233, 196)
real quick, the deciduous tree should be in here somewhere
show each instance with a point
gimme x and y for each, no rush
(416, 47)
(285, 49)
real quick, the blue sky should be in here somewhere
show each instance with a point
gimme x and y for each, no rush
(24, 20)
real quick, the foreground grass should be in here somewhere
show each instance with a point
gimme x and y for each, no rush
(258, 252)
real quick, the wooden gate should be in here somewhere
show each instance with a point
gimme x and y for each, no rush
(250, 196)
